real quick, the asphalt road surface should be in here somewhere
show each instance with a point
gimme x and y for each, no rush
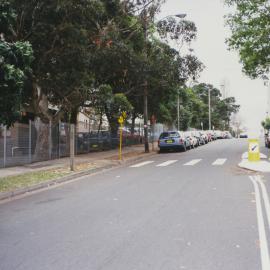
(195, 210)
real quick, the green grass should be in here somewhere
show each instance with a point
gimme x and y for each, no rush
(11, 183)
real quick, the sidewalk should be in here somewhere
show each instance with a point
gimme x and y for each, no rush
(21, 180)
(84, 161)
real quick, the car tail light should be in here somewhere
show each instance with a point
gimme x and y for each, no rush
(181, 141)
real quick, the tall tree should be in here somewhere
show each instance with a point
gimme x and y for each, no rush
(15, 66)
(250, 26)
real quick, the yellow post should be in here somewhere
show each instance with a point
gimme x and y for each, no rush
(253, 150)
(120, 121)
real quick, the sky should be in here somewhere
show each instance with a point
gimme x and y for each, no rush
(222, 66)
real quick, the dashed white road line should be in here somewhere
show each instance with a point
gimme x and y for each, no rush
(166, 163)
(219, 161)
(265, 260)
(192, 162)
(141, 164)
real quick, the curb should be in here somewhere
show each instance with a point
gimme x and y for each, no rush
(68, 178)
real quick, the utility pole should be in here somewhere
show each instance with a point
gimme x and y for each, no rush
(145, 90)
(178, 112)
(209, 108)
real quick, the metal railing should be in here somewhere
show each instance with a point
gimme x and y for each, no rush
(27, 143)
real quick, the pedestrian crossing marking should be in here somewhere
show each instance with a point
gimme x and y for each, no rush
(192, 162)
(166, 163)
(141, 164)
(219, 162)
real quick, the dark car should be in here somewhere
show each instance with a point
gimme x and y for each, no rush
(267, 140)
(243, 135)
(173, 140)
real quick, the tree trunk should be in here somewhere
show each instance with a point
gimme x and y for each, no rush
(42, 145)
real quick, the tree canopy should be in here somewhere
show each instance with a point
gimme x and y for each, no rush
(250, 26)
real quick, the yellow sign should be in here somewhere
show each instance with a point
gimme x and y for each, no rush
(253, 150)
(121, 120)
(124, 114)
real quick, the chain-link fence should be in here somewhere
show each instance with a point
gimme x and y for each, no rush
(27, 143)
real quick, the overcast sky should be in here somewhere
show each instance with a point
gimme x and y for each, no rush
(221, 64)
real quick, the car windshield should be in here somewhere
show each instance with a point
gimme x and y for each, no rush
(169, 135)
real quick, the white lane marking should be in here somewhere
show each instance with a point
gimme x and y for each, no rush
(192, 162)
(262, 234)
(265, 198)
(166, 163)
(141, 164)
(219, 161)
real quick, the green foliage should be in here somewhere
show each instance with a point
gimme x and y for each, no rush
(250, 26)
(15, 61)
(266, 123)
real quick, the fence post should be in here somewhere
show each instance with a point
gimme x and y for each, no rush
(5, 145)
(50, 139)
(30, 142)
(72, 146)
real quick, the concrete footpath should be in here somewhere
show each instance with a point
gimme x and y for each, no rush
(85, 164)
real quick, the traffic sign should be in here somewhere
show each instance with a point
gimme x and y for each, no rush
(253, 150)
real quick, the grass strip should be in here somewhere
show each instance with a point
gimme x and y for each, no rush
(11, 183)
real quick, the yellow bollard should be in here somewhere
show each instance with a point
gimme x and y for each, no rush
(253, 150)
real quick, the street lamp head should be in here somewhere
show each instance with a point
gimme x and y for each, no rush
(181, 15)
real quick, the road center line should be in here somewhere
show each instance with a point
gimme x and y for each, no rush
(166, 163)
(141, 164)
(265, 199)
(219, 161)
(262, 234)
(192, 162)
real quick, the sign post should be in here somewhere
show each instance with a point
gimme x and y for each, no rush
(253, 150)
(121, 120)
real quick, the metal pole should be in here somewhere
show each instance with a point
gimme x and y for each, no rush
(209, 108)
(120, 143)
(50, 139)
(30, 141)
(72, 146)
(5, 145)
(178, 111)
(145, 114)
(59, 135)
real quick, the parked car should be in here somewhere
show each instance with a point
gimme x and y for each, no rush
(199, 137)
(243, 135)
(204, 136)
(267, 140)
(193, 140)
(173, 140)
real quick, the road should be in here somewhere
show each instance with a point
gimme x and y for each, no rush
(195, 210)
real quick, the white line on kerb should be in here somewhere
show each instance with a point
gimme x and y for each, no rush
(192, 162)
(265, 198)
(262, 234)
(219, 161)
(166, 163)
(141, 164)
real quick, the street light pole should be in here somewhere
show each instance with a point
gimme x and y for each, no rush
(178, 111)
(209, 108)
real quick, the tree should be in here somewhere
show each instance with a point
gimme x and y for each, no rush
(106, 102)
(15, 66)
(266, 123)
(250, 26)
(221, 109)
(63, 35)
